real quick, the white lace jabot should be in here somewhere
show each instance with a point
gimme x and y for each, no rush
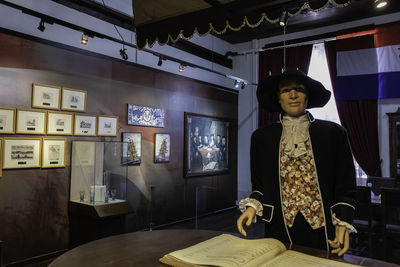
(295, 133)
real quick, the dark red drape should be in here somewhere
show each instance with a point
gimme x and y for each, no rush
(271, 61)
(360, 118)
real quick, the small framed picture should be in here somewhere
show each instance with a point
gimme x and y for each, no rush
(85, 125)
(53, 152)
(31, 121)
(21, 152)
(46, 96)
(7, 120)
(73, 100)
(132, 148)
(60, 123)
(107, 126)
(1, 157)
(162, 147)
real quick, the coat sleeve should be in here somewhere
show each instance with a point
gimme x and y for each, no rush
(256, 181)
(345, 181)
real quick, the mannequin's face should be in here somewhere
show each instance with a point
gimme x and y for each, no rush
(293, 99)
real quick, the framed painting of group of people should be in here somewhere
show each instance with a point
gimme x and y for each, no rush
(206, 145)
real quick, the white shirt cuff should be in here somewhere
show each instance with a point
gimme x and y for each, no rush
(251, 202)
(349, 227)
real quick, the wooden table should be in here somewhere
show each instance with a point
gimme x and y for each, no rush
(143, 249)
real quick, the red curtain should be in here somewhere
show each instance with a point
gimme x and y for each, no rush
(271, 61)
(360, 118)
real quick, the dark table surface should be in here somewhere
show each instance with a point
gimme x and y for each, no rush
(145, 249)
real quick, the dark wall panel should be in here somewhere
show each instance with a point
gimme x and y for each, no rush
(33, 202)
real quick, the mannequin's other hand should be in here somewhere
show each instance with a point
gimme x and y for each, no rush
(247, 217)
(341, 241)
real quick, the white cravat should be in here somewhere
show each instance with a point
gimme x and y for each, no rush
(295, 133)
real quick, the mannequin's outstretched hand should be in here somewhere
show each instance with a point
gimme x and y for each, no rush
(247, 217)
(340, 244)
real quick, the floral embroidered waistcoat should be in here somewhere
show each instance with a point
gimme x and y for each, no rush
(299, 183)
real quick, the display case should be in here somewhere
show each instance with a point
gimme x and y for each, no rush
(98, 179)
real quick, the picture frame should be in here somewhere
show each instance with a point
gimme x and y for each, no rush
(146, 116)
(31, 121)
(7, 120)
(107, 125)
(206, 145)
(162, 147)
(20, 152)
(60, 123)
(132, 149)
(53, 152)
(85, 125)
(46, 96)
(1, 157)
(73, 100)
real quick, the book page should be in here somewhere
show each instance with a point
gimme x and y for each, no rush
(229, 251)
(298, 259)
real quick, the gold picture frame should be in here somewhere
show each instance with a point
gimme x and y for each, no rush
(20, 152)
(85, 125)
(73, 100)
(1, 157)
(60, 123)
(7, 120)
(46, 96)
(107, 125)
(31, 121)
(53, 152)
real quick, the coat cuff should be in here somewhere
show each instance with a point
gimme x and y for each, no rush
(343, 211)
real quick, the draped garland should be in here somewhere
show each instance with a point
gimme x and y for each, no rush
(204, 21)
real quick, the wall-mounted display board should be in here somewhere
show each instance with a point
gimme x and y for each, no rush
(85, 125)
(73, 100)
(7, 120)
(145, 116)
(206, 145)
(60, 123)
(132, 148)
(53, 152)
(31, 121)
(162, 147)
(46, 96)
(107, 125)
(19, 152)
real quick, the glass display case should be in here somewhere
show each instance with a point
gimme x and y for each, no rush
(98, 177)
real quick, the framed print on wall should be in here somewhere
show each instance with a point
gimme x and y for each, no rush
(31, 121)
(1, 157)
(19, 152)
(145, 116)
(53, 152)
(73, 100)
(107, 125)
(132, 148)
(60, 123)
(162, 147)
(85, 125)
(46, 96)
(7, 120)
(206, 145)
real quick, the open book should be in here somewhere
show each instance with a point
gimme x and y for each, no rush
(229, 251)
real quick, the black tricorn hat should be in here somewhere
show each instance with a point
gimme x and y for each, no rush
(267, 89)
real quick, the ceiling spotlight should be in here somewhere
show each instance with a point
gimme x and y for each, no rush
(380, 3)
(41, 26)
(243, 85)
(236, 84)
(123, 53)
(159, 61)
(284, 18)
(84, 39)
(181, 68)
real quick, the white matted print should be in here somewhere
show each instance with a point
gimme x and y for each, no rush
(46, 96)
(162, 147)
(85, 125)
(107, 126)
(1, 157)
(31, 121)
(7, 120)
(53, 152)
(73, 99)
(21, 152)
(60, 123)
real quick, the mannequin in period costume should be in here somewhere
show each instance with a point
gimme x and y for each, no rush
(302, 169)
